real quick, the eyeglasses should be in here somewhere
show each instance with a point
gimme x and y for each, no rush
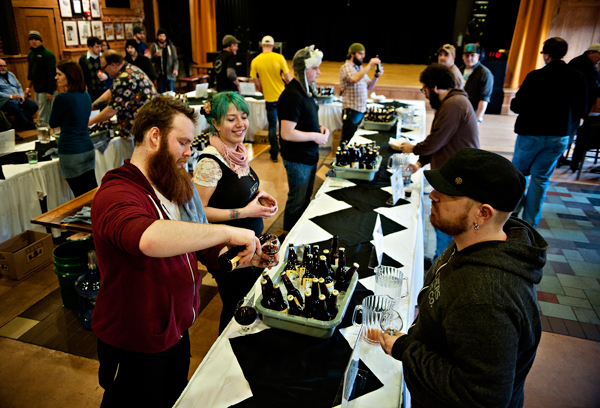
(423, 90)
(104, 67)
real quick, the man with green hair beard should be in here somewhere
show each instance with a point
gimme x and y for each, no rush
(355, 86)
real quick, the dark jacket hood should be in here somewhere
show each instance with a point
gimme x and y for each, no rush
(525, 248)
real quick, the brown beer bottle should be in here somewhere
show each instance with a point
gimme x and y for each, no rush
(309, 305)
(321, 312)
(325, 274)
(334, 254)
(294, 308)
(324, 289)
(315, 287)
(341, 268)
(332, 303)
(292, 259)
(267, 295)
(315, 253)
(265, 275)
(279, 305)
(307, 251)
(291, 290)
(306, 277)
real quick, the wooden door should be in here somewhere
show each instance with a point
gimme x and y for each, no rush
(38, 19)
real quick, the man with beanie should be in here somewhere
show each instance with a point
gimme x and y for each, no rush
(270, 73)
(166, 64)
(300, 133)
(140, 61)
(95, 80)
(139, 35)
(478, 329)
(41, 73)
(479, 81)
(355, 86)
(453, 128)
(225, 64)
(550, 103)
(446, 56)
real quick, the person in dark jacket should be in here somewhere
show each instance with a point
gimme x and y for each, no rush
(479, 81)
(166, 63)
(149, 231)
(225, 65)
(140, 61)
(41, 73)
(550, 103)
(454, 127)
(478, 329)
(587, 64)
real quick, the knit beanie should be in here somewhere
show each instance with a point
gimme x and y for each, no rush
(138, 29)
(133, 43)
(161, 31)
(303, 59)
(354, 48)
(36, 35)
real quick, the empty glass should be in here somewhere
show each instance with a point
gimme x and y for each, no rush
(32, 156)
(389, 281)
(397, 161)
(43, 132)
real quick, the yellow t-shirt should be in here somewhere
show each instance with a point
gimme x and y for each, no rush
(268, 67)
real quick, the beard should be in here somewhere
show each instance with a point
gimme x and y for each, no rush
(434, 100)
(172, 182)
(452, 227)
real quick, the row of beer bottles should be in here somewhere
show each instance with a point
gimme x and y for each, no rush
(317, 306)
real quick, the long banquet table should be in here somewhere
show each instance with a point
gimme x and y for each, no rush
(272, 367)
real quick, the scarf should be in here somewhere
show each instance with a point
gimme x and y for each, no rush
(236, 159)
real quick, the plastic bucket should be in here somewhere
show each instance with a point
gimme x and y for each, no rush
(70, 261)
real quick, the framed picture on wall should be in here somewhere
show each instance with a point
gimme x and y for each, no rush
(65, 8)
(77, 8)
(119, 34)
(70, 28)
(98, 29)
(85, 31)
(95, 6)
(129, 31)
(109, 30)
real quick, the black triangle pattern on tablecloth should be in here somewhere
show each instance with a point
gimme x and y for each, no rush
(354, 227)
(285, 369)
(364, 198)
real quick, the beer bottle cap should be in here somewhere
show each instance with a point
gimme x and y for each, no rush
(321, 297)
(276, 286)
(323, 257)
(290, 298)
(321, 280)
(308, 292)
(335, 292)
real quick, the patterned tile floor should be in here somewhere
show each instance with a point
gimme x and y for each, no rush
(569, 293)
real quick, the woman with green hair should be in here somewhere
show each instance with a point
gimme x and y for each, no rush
(229, 189)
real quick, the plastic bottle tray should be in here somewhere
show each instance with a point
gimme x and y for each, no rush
(357, 174)
(310, 327)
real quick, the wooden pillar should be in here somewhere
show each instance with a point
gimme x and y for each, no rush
(203, 24)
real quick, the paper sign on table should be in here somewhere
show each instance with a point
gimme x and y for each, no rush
(397, 187)
(378, 239)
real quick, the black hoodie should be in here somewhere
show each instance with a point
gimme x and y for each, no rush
(478, 328)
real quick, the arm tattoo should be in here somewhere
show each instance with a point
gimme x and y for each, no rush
(234, 214)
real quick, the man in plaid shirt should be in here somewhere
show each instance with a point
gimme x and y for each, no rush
(355, 84)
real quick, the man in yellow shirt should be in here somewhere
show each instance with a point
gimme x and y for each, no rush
(269, 71)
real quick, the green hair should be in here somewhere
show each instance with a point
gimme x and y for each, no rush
(219, 106)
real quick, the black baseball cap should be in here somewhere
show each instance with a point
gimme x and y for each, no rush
(484, 176)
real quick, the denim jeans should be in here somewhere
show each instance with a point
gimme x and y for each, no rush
(301, 180)
(165, 84)
(272, 119)
(441, 242)
(536, 156)
(350, 121)
(22, 112)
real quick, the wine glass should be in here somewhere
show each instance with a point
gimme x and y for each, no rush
(270, 246)
(245, 314)
(391, 322)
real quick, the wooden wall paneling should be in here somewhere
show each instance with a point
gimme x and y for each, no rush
(578, 22)
(39, 19)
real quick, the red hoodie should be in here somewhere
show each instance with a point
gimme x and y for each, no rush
(144, 304)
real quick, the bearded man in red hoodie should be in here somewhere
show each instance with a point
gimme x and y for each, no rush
(149, 232)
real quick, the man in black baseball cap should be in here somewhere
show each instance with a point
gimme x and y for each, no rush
(479, 326)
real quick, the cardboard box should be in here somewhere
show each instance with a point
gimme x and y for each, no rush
(25, 253)
(261, 137)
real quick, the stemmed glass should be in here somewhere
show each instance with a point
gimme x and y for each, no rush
(245, 314)
(391, 322)
(270, 246)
